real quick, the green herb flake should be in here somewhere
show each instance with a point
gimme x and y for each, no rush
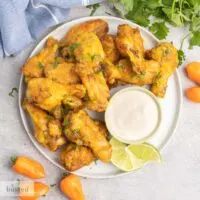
(195, 39)
(66, 123)
(56, 63)
(53, 185)
(93, 8)
(181, 56)
(12, 91)
(76, 131)
(159, 29)
(73, 46)
(40, 65)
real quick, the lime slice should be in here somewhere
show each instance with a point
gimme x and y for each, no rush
(132, 157)
(145, 152)
(122, 158)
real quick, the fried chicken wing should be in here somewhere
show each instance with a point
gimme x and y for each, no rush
(123, 72)
(166, 54)
(110, 49)
(129, 42)
(62, 73)
(97, 89)
(48, 94)
(47, 130)
(98, 26)
(73, 157)
(82, 130)
(34, 67)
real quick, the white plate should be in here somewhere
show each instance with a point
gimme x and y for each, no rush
(170, 105)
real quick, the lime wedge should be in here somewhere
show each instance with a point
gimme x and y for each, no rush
(145, 152)
(132, 157)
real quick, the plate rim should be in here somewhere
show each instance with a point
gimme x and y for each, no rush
(37, 145)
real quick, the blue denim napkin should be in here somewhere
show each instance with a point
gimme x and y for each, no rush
(22, 21)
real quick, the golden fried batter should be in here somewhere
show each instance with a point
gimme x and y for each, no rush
(73, 157)
(110, 49)
(82, 130)
(47, 130)
(98, 26)
(34, 67)
(129, 42)
(62, 73)
(97, 89)
(48, 94)
(166, 54)
(123, 72)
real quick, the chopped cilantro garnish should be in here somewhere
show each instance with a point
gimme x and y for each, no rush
(181, 56)
(12, 91)
(40, 65)
(56, 63)
(66, 123)
(73, 46)
(93, 8)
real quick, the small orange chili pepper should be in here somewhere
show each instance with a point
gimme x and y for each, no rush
(193, 94)
(193, 71)
(32, 191)
(72, 188)
(28, 167)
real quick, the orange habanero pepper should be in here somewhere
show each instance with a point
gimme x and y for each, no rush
(28, 167)
(72, 188)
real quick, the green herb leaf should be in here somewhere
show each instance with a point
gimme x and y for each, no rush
(181, 56)
(56, 63)
(66, 123)
(12, 91)
(40, 65)
(13, 160)
(195, 39)
(73, 46)
(53, 185)
(159, 29)
(93, 8)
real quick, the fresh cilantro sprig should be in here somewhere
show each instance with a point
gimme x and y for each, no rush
(179, 13)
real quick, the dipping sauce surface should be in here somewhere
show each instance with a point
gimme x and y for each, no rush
(132, 114)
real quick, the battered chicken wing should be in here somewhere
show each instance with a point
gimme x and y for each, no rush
(48, 94)
(34, 67)
(129, 42)
(97, 89)
(123, 72)
(73, 157)
(82, 130)
(47, 130)
(62, 73)
(110, 49)
(166, 54)
(98, 26)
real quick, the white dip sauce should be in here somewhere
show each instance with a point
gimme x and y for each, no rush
(132, 115)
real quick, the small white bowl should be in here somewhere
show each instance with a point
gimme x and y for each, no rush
(107, 115)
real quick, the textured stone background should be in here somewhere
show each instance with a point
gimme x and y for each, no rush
(177, 178)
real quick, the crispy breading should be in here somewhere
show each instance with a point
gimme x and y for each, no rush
(95, 84)
(62, 73)
(73, 157)
(167, 55)
(48, 94)
(47, 130)
(110, 49)
(83, 130)
(123, 72)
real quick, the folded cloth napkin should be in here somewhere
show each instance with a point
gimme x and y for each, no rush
(23, 21)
